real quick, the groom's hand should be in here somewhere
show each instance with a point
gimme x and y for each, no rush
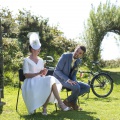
(72, 82)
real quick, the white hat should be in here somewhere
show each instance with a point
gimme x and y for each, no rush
(34, 40)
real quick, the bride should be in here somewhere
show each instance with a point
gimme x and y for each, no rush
(38, 89)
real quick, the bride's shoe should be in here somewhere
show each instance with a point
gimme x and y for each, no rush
(63, 107)
(44, 111)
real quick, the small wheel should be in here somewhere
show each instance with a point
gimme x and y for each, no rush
(102, 85)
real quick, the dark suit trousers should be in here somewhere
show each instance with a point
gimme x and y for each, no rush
(79, 89)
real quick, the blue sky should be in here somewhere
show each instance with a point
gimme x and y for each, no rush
(68, 14)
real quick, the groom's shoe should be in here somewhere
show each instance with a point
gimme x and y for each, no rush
(75, 106)
(67, 103)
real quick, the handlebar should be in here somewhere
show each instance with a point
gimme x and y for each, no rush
(93, 68)
(95, 62)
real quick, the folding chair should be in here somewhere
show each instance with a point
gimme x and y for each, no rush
(21, 79)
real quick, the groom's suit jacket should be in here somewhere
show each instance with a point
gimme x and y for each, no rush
(63, 70)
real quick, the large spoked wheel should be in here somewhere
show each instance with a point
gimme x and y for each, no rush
(102, 85)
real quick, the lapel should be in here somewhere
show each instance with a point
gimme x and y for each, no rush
(70, 61)
(76, 65)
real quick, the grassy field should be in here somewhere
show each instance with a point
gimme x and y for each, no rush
(93, 108)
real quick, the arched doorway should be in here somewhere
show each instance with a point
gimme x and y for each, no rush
(110, 47)
(104, 19)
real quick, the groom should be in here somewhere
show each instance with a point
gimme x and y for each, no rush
(66, 71)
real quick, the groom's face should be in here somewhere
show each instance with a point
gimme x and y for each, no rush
(78, 53)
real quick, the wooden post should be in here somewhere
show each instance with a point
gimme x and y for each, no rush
(0, 95)
(1, 67)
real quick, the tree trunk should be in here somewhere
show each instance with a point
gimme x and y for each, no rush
(1, 63)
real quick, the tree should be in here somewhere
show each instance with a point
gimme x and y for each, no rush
(30, 23)
(27, 23)
(104, 19)
(9, 26)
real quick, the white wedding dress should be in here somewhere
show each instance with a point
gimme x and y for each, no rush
(36, 90)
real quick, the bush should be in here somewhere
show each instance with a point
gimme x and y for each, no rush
(110, 63)
(13, 58)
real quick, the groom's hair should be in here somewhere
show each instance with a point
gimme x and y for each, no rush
(81, 47)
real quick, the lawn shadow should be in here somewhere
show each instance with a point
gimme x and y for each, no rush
(61, 115)
(1, 109)
(1, 106)
(107, 99)
(115, 76)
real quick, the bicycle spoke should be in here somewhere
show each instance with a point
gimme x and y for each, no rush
(102, 85)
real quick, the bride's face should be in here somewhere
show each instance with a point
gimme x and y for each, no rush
(36, 52)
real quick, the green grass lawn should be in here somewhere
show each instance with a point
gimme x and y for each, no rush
(93, 108)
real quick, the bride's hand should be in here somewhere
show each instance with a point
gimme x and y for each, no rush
(43, 72)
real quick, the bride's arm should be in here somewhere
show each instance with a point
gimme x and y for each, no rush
(31, 75)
